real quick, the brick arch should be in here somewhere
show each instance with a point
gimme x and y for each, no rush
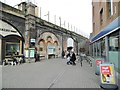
(56, 43)
(41, 46)
(41, 40)
(49, 42)
(49, 38)
(8, 22)
(51, 33)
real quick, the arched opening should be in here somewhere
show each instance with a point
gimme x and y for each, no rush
(49, 38)
(11, 41)
(56, 48)
(50, 50)
(70, 42)
(49, 42)
(41, 48)
(13, 45)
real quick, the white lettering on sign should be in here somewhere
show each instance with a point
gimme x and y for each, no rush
(7, 29)
(104, 67)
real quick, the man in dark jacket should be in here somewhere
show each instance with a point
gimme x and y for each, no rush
(73, 58)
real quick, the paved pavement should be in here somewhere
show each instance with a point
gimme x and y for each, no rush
(54, 73)
(0, 77)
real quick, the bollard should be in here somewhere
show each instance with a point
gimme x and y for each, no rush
(81, 63)
(90, 64)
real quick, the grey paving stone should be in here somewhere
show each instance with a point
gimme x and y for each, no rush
(0, 77)
(54, 73)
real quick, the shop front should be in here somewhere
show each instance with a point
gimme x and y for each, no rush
(11, 41)
(106, 44)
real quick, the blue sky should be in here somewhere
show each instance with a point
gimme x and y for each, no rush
(78, 13)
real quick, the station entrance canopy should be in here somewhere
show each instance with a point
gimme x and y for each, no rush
(113, 26)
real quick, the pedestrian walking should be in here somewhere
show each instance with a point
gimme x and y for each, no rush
(36, 56)
(63, 54)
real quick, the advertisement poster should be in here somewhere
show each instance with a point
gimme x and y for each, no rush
(107, 73)
(51, 49)
(98, 61)
(32, 53)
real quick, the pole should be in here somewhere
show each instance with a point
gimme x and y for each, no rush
(60, 21)
(71, 27)
(40, 12)
(68, 26)
(55, 19)
(74, 28)
(48, 16)
(64, 24)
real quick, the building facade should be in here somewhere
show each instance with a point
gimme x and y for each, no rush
(105, 41)
(23, 32)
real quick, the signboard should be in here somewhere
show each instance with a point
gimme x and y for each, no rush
(7, 29)
(107, 73)
(51, 49)
(32, 40)
(98, 62)
(32, 52)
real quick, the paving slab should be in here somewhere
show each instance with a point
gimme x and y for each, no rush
(53, 73)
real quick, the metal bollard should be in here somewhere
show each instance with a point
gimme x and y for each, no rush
(90, 64)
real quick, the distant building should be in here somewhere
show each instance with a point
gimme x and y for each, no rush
(105, 41)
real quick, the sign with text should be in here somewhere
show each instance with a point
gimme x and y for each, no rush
(32, 53)
(7, 29)
(51, 49)
(98, 61)
(107, 73)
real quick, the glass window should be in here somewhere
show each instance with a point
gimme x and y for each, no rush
(12, 48)
(114, 44)
(99, 49)
(103, 47)
(95, 49)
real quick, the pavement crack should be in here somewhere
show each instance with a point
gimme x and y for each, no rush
(56, 79)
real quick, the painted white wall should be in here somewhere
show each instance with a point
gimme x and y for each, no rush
(70, 42)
